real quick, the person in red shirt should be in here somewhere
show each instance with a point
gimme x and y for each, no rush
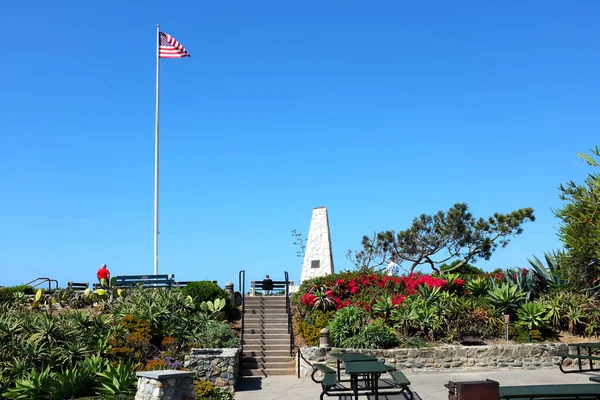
(103, 273)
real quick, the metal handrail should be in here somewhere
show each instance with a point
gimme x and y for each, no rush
(43, 280)
(242, 286)
(288, 309)
(300, 355)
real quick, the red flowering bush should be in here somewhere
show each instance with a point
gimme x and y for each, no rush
(413, 281)
(361, 289)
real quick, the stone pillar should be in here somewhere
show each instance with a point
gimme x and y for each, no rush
(166, 385)
(229, 287)
(324, 338)
(318, 258)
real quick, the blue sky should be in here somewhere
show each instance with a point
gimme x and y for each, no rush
(378, 111)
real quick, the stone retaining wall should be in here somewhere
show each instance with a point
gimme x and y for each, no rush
(219, 366)
(492, 357)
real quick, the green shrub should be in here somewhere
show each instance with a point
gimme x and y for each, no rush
(7, 293)
(214, 334)
(346, 323)
(204, 291)
(376, 335)
(206, 391)
(415, 342)
(310, 333)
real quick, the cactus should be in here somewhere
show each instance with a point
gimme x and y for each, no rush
(37, 300)
(214, 309)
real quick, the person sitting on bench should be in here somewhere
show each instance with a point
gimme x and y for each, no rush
(267, 286)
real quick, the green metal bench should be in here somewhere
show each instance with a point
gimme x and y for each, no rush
(591, 348)
(167, 280)
(587, 391)
(320, 368)
(578, 357)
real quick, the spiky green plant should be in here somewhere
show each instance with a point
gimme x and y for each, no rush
(117, 380)
(533, 315)
(384, 307)
(549, 275)
(477, 286)
(507, 298)
(346, 323)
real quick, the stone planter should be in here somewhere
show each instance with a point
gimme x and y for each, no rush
(221, 367)
(166, 385)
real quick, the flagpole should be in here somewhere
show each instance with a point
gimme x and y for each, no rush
(156, 123)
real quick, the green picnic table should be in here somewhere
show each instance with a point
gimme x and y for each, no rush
(348, 358)
(372, 370)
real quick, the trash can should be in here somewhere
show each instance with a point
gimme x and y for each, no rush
(473, 390)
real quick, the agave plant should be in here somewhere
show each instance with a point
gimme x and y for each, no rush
(426, 316)
(35, 385)
(477, 286)
(506, 297)
(533, 315)
(384, 306)
(428, 294)
(549, 274)
(72, 383)
(117, 380)
(403, 316)
(526, 281)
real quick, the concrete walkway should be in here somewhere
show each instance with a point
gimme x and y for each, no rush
(428, 385)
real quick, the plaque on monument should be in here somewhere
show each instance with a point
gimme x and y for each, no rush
(315, 263)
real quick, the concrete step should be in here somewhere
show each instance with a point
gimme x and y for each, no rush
(280, 371)
(262, 342)
(271, 359)
(253, 372)
(267, 317)
(265, 311)
(264, 328)
(267, 337)
(272, 306)
(266, 347)
(268, 372)
(258, 364)
(268, 353)
(254, 320)
(285, 358)
(263, 331)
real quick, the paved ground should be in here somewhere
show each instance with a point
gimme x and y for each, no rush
(429, 386)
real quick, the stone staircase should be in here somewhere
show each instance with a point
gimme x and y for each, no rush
(266, 338)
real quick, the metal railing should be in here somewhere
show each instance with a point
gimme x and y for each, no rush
(43, 280)
(300, 356)
(288, 309)
(242, 286)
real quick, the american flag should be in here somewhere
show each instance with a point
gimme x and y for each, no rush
(170, 48)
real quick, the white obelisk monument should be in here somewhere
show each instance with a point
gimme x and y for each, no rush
(318, 258)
